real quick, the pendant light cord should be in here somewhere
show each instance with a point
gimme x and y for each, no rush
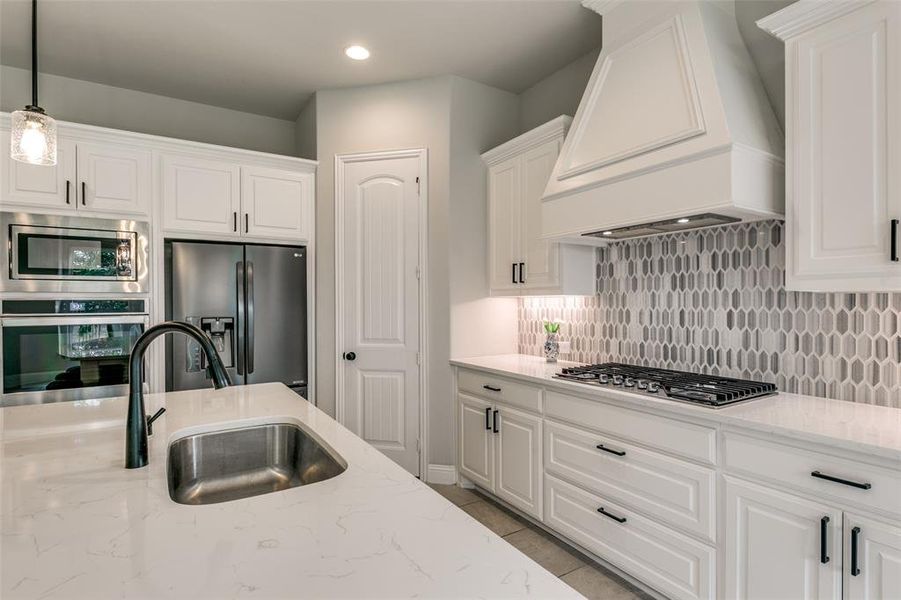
(34, 53)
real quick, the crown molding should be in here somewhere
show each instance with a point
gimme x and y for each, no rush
(601, 6)
(806, 14)
(531, 139)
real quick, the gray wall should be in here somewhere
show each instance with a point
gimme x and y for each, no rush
(305, 131)
(105, 106)
(557, 94)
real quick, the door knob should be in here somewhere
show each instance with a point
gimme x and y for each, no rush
(349, 356)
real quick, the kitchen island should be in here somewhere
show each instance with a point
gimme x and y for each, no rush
(77, 524)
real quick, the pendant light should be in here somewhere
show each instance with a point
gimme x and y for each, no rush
(33, 138)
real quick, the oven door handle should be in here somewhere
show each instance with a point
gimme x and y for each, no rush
(74, 320)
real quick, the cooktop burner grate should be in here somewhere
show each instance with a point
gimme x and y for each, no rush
(708, 390)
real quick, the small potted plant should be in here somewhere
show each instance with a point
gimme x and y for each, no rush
(552, 343)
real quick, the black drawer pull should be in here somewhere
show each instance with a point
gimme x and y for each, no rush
(488, 419)
(895, 240)
(492, 388)
(824, 546)
(514, 273)
(614, 517)
(495, 429)
(858, 485)
(67, 192)
(84, 194)
(855, 542)
(522, 269)
(610, 450)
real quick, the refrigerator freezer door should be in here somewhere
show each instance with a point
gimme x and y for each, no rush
(277, 299)
(202, 288)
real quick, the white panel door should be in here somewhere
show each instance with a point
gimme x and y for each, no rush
(277, 204)
(379, 260)
(476, 440)
(201, 195)
(845, 148)
(37, 185)
(504, 191)
(541, 257)
(876, 574)
(773, 546)
(114, 178)
(518, 458)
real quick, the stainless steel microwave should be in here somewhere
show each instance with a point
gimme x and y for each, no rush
(47, 253)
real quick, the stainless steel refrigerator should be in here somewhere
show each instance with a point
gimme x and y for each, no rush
(251, 300)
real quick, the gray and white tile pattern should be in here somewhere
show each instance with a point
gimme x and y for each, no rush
(714, 301)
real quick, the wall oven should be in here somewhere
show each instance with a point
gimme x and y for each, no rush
(46, 253)
(60, 350)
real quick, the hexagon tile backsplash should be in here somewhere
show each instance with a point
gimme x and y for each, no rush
(714, 301)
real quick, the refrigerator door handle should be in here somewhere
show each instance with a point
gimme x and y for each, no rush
(249, 317)
(239, 276)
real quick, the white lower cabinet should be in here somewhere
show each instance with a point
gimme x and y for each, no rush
(500, 451)
(518, 448)
(476, 441)
(672, 563)
(780, 546)
(873, 556)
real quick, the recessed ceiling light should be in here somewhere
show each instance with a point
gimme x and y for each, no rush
(682, 221)
(356, 52)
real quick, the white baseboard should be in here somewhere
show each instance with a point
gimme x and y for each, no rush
(442, 474)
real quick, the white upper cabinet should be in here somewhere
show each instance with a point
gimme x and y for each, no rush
(114, 178)
(37, 185)
(89, 177)
(843, 125)
(200, 195)
(276, 203)
(520, 261)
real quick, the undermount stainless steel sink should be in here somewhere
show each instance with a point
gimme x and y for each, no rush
(219, 466)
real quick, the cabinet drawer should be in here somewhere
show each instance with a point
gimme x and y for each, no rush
(670, 562)
(686, 439)
(500, 389)
(793, 466)
(674, 491)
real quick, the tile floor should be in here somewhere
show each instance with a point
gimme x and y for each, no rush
(578, 571)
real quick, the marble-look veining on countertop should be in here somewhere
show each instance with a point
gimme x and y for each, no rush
(77, 524)
(874, 430)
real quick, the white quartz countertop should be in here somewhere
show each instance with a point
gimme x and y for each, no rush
(77, 524)
(865, 428)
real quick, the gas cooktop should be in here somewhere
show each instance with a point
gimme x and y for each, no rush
(707, 390)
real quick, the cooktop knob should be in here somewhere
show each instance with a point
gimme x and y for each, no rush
(617, 380)
(653, 387)
(603, 378)
(629, 382)
(642, 384)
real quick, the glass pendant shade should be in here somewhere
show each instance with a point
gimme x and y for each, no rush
(33, 137)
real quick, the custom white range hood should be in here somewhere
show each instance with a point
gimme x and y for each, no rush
(674, 130)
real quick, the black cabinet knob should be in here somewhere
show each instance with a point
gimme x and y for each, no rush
(350, 356)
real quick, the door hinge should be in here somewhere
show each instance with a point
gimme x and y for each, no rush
(418, 273)
(419, 358)
(418, 446)
(418, 190)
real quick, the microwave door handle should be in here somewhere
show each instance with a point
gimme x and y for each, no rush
(249, 317)
(239, 280)
(63, 320)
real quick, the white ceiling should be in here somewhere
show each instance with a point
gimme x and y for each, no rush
(267, 57)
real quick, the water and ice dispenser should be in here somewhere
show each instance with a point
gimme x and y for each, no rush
(221, 331)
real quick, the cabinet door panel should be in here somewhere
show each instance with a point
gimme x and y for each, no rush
(845, 145)
(878, 560)
(200, 195)
(518, 450)
(773, 546)
(541, 257)
(114, 178)
(277, 204)
(504, 184)
(36, 185)
(476, 441)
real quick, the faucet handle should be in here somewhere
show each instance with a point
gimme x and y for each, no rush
(150, 420)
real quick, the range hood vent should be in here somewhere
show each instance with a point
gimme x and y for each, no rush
(659, 227)
(674, 122)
